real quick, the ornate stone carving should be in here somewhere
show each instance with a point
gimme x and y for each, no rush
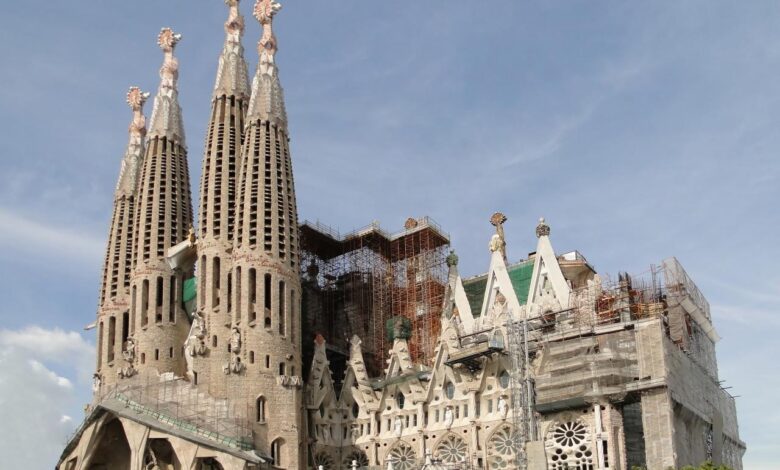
(449, 417)
(503, 407)
(452, 259)
(398, 426)
(542, 230)
(265, 10)
(235, 340)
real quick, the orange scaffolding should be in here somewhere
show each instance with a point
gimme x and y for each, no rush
(354, 284)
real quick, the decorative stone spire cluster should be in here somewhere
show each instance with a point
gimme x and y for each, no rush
(166, 116)
(163, 217)
(113, 310)
(217, 213)
(542, 230)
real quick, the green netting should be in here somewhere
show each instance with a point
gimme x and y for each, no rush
(475, 291)
(398, 328)
(189, 296)
(519, 275)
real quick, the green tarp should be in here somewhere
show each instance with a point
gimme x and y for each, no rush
(520, 276)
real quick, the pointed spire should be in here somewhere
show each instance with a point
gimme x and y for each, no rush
(166, 117)
(267, 101)
(128, 175)
(232, 76)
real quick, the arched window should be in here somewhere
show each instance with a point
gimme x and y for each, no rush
(449, 390)
(277, 452)
(400, 399)
(260, 409)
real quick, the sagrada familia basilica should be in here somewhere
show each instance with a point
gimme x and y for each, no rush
(248, 340)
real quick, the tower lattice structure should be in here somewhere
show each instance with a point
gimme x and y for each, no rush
(163, 219)
(266, 369)
(114, 305)
(217, 212)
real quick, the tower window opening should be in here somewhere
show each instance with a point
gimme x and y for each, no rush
(111, 338)
(158, 301)
(145, 302)
(282, 368)
(238, 293)
(282, 312)
(252, 281)
(215, 279)
(156, 354)
(172, 299)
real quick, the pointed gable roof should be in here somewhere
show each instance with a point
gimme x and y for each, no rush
(548, 285)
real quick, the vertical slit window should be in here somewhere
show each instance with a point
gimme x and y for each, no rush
(282, 313)
(252, 285)
(172, 299)
(145, 302)
(267, 298)
(111, 338)
(215, 280)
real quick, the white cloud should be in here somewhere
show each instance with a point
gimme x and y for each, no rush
(37, 400)
(21, 233)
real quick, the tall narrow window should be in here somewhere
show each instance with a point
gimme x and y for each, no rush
(260, 409)
(125, 328)
(267, 298)
(133, 302)
(172, 300)
(111, 338)
(158, 300)
(238, 293)
(282, 368)
(293, 309)
(145, 302)
(277, 452)
(252, 284)
(202, 274)
(229, 295)
(100, 345)
(282, 312)
(215, 281)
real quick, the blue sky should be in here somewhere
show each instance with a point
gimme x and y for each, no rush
(640, 130)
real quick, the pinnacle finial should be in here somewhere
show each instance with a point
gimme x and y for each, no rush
(265, 10)
(234, 26)
(542, 230)
(169, 72)
(136, 99)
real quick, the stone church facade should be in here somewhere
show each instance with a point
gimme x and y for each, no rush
(225, 346)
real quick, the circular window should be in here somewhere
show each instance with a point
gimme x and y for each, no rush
(449, 390)
(569, 434)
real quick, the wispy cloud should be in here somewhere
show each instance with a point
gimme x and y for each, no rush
(32, 236)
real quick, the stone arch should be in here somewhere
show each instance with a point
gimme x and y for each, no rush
(402, 456)
(113, 449)
(207, 463)
(160, 455)
(260, 409)
(451, 449)
(278, 452)
(501, 448)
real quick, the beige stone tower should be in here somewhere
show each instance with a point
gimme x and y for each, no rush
(265, 364)
(163, 218)
(217, 213)
(114, 307)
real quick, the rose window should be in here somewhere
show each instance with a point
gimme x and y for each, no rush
(357, 456)
(403, 458)
(568, 447)
(569, 434)
(501, 449)
(452, 450)
(325, 460)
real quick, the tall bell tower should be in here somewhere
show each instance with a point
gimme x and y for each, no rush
(265, 345)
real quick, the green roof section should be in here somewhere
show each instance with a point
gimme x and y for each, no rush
(519, 274)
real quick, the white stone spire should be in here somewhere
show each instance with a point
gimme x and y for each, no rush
(267, 101)
(232, 75)
(131, 163)
(166, 117)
